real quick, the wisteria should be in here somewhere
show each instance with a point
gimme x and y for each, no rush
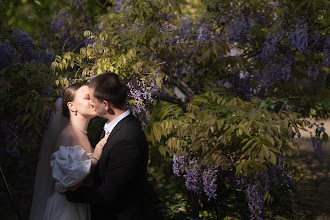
(77, 4)
(19, 53)
(288, 65)
(271, 73)
(203, 33)
(178, 164)
(22, 50)
(299, 36)
(60, 24)
(313, 72)
(269, 48)
(143, 94)
(326, 52)
(22, 40)
(198, 178)
(118, 5)
(193, 177)
(210, 182)
(237, 28)
(316, 41)
(256, 202)
(7, 54)
(186, 28)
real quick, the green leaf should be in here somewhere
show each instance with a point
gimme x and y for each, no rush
(27, 106)
(265, 151)
(156, 132)
(34, 107)
(162, 150)
(240, 166)
(159, 81)
(272, 158)
(25, 118)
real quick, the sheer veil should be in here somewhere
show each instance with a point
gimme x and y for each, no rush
(44, 183)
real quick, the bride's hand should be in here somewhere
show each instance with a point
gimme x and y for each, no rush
(99, 147)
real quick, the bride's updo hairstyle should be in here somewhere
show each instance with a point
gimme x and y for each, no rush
(68, 96)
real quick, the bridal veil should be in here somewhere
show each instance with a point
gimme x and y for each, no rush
(44, 183)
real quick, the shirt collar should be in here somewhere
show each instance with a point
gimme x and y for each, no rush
(109, 126)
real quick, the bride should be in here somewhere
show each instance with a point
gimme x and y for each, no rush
(66, 158)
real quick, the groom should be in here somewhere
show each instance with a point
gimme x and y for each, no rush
(119, 179)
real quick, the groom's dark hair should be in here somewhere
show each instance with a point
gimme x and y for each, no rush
(110, 87)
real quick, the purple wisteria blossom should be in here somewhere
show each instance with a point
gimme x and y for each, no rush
(193, 177)
(186, 28)
(298, 36)
(60, 24)
(143, 94)
(77, 4)
(285, 177)
(118, 5)
(237, 28)
(313, 72)
(271, 73)
(204, 33)
(256, 202)
(22, 40)
(326, 52)
(269, 48)
(316, 41)
(7, 54)
(274, 72)
(178, 164)
(288, 65)
(210, 182)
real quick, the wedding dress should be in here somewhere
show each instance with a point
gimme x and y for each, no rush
(70, 165)
(58, 169)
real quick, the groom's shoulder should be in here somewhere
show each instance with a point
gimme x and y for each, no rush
(131, 123)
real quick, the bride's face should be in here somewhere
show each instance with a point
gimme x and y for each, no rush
(82, 102)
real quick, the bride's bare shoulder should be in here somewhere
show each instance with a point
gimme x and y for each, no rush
(66, 137)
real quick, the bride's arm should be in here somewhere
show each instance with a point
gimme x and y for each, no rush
(95, 159)
(98, 150)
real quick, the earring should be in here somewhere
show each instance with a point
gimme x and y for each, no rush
(75, 113)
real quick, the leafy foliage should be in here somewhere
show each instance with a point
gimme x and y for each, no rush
(225, 133)
(27, 86)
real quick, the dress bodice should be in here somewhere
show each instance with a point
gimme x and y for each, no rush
(70, 165)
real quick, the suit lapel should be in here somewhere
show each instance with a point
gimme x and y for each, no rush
(105, 153)
(119, 125)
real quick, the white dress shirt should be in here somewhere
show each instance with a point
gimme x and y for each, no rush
(108, 127)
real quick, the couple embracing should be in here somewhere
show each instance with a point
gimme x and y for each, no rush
(75, 181)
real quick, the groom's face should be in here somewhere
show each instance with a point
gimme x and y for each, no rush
(99, 107)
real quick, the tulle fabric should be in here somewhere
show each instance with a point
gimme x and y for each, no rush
(59, 208)
(66, 165)
(70, 165)
(44, 183)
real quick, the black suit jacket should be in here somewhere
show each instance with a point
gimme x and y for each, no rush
(119, 179)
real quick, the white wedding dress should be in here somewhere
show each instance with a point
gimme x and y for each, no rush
(69, 166)
(58, 168)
